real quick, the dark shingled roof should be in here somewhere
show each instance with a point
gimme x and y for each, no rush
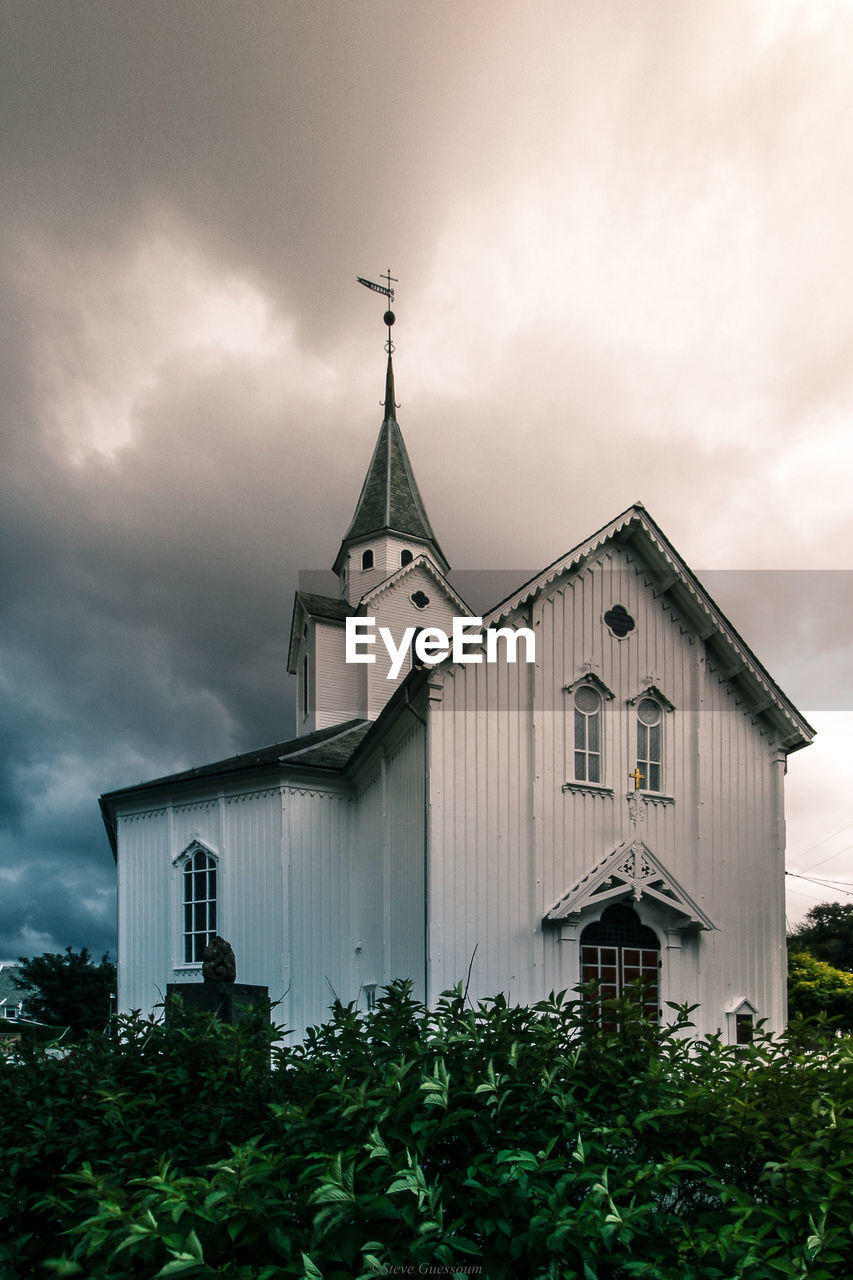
(324, 753)
(324, 606)
(390, 499)
(333, 753)
(328, 748)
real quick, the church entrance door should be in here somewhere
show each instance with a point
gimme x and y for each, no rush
(619, 950)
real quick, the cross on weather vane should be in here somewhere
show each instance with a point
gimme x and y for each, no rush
(388, 291)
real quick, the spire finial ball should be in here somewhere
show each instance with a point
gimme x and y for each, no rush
(389, 318)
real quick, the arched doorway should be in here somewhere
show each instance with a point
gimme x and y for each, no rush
(618, 950)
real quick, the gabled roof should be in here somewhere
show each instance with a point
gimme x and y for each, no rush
(631, 870)
(685, 594)
(306, 604)
(390, 501)
(421, 561)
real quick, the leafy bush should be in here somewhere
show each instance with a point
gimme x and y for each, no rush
(494, 1140)
(815, 987)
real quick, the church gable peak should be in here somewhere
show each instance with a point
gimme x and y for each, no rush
(678, 588)
(630, 871)
(422, 564)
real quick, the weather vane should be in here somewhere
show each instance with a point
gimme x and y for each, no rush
(387, 290)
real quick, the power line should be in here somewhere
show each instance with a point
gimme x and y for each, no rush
(829, 856)
(834, 886)
(812, 847)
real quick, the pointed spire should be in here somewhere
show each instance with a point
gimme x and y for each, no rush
(390, 501)
(390, 406)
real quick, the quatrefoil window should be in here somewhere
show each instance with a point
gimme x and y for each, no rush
(619, 621)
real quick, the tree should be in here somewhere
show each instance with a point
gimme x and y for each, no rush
(827, 933)
(67, 990)
(815, 987)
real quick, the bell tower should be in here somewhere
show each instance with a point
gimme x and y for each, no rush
(389, 566)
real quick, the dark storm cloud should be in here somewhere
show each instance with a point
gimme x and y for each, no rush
(264, 126)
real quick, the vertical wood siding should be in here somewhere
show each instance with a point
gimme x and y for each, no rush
(337, 683)
(317, 901)
(507, 841)
(394, 609)
(244, 833)
(404, 865)
(482, 890)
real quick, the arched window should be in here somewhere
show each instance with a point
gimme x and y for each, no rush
(406, 557)
(619, 950)
(649, 757)
(587, 714)
(367, 559)
(199, 877)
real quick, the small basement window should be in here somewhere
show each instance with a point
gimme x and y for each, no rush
(744, 1028)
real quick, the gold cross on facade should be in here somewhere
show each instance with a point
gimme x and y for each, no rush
(638, 778)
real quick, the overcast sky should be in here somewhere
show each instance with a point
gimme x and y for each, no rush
(622, 236)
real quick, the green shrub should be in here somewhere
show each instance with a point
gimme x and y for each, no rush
(815, 987)
(494, 1140)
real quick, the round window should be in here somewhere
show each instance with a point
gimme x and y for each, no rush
(648, 712)
(587, 700)
(420, 599)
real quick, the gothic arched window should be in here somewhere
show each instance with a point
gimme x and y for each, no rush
(199, 877)
(649, 743)
(587, 716)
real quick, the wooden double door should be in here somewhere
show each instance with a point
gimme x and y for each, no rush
(619, 951)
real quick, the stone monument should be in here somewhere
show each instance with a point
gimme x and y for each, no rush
(219, 993)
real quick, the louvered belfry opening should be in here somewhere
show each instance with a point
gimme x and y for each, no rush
(619, 950)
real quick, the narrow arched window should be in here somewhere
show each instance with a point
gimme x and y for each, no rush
(199, 904)
(587, 708)
(649, 724)
(367, 559)
(406, 557)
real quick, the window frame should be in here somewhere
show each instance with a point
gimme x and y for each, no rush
(645, 761)
(368, 560)
(584, 720)
(183, 868)
(191, 902)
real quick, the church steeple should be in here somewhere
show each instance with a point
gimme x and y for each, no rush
(390, 525)
(390, 406)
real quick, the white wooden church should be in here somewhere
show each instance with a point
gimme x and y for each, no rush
(612, 809)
